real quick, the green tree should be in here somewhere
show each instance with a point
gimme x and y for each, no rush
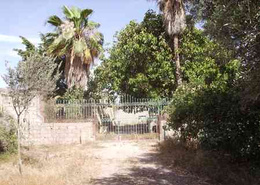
(202, 59)
(143, 68)
(41, 49)
(139, 62)
(236, 25)
(36, 75)
(219, 105)
(30, 48)
(175, 23)
(78, 41)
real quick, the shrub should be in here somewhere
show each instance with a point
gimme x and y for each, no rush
(214, 117)
(8, 139)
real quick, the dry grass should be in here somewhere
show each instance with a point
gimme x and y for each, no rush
(56, 165)
(216, 167)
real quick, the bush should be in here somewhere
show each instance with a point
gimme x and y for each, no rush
(214, 117)
(8, 139)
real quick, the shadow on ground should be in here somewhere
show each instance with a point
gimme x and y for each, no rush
(149, 170)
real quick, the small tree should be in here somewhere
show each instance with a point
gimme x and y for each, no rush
(36, 75)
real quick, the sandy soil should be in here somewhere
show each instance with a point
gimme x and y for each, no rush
(110, 163)
(137, 163)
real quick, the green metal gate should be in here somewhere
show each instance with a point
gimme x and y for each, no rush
(129, 118)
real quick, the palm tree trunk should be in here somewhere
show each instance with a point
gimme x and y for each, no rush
(76, 73)
(177, 59)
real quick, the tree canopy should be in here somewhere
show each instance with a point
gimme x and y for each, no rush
(139, 62)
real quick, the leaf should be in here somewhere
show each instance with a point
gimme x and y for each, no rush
(76, 12)
(29, 48)
(27, 43)
(54, 20)
(56, 45)
(67, 12)
(85, 13)
(92, 24)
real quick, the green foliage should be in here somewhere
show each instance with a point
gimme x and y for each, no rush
(8, 138)
(202, 59)
(219, 105)
(34, 76)
(29, 48)
(235, 24)
(139, 63)
(213, 116)
(73, 94)
(210, 111)
(41, 49)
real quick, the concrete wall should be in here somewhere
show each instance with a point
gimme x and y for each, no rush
(36, 132)
(59, 133)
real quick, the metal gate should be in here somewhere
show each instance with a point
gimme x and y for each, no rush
(125, 117)
(129, 118)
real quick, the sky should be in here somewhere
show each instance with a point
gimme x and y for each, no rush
(28, 18)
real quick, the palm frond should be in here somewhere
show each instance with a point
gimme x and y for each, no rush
(54, 20)
(69, 34)
(56, 46)
(67, 12)
(92, 24)
(87, 56)
(174, 15)
(47, 39)
(51, 35)
(21, 53)
(76, 12)
(85, 13)
(76, 36)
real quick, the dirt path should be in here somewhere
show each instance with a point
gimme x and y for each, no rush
(103, 163)
(125, 163)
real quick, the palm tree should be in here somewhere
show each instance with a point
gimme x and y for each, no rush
(174, 19)
(77, 40)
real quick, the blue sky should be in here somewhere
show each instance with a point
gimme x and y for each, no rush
(27, 18)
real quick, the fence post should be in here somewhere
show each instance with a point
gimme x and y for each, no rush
(161, 124)
(95, 124)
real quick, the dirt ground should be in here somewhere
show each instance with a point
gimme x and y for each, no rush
(110, 163)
